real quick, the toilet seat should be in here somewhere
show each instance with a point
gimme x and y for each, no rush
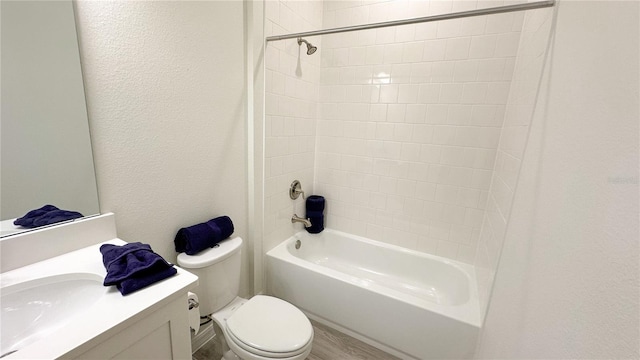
(270, 328)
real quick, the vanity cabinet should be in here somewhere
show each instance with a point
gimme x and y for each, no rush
(164, 334)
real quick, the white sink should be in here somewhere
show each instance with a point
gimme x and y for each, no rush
(32, 310)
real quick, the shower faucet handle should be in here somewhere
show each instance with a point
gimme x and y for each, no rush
(295, 190)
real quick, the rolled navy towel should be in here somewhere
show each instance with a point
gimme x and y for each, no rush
(317, 222)
(193, 239)
(29, 217)
(315, 203)
(133, 266)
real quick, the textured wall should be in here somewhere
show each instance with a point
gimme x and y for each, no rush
(165, 96)
(567, 281)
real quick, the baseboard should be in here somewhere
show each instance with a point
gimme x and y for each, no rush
(205, 334)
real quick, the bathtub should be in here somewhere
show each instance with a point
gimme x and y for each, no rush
(410, 304)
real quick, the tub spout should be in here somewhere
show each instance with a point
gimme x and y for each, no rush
(295, 218)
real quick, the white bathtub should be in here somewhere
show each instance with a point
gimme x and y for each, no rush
(411, 304)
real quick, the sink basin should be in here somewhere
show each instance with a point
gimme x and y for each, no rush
(32, 310)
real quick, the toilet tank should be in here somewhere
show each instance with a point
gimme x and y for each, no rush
(218, 271)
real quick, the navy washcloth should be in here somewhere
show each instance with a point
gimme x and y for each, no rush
(133, 266)
(195, 238)
(315, 207)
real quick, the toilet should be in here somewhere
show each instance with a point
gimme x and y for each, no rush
(261, 328)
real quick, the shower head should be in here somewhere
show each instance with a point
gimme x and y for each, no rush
(310, 48)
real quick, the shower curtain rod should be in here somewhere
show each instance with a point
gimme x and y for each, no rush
(456, 15)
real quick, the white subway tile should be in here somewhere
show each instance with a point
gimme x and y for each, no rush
(396, 113)
(507, 44)
(446, 194)
(474, 93)
(420, 72)
(389, 93)
(401, 73)
(384, 131)
(412, 52)
(385, 35)
(418, 171)
(426, 31)
(357, 55)
(443, 71)
(425, 190)
(451, 93)
(392, 54)
(405, 33)
(457, 48)
(428, 93)
(402, 132)
(408, 93)
(498, 92)
(431, 154)
(483, 47)
(437, 114)
(434, 50)
(378, 112)
(422, 134)
(459, 114)
(415, 113)
(374, 54)
(465, 71)
(499, 23)
(449, 28)
(410, 152)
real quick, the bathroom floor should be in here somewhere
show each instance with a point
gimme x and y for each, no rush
(328, 344)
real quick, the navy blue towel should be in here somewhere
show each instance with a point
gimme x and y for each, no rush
(46, 215)
(315, 203)
(195, 238)
(315, 207)
(133, 266)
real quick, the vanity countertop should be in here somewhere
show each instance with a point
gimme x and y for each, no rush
(99, 321)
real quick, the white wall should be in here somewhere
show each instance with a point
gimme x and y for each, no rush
(165, 97)
(567, 282)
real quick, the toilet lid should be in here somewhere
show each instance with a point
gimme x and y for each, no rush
(270, 325)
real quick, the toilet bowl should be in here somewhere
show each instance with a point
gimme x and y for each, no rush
(260, 328)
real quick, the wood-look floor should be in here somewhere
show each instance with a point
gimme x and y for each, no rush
(328, 344)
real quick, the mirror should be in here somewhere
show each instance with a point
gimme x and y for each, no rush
(45, 148)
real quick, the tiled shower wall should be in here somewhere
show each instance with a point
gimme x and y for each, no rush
(519, 111)
(410, 120)
(291, 90)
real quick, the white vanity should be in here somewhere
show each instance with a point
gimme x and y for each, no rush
(55, 306)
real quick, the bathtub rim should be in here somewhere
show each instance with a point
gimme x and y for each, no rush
(468, 313)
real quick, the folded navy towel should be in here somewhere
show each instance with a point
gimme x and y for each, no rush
(315, 203)
(195, 238)
(28, 218)
(133, 266)
(55, 216)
